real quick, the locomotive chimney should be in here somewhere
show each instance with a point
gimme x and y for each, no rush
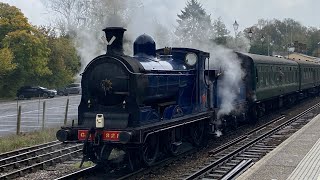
(114, 37)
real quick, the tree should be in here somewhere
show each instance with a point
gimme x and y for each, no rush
(221, 31)
(63, 61)
(11, 19)
(313, 35)
(83, 21)
(6, 64)
(30, 53)
(194, 25)
(278, 35)
(23, 51)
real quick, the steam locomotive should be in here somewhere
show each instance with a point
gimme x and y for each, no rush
(157, 99)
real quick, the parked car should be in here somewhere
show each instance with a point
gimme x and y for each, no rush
(54, 91)
(37, 91)
(74, 88)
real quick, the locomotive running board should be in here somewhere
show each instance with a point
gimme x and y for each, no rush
(144, 131)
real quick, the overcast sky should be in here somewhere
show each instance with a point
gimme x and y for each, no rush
(246, 12)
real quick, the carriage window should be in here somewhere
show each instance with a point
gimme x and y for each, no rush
(257, 78)
(266, 82)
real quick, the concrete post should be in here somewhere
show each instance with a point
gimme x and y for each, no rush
(19, 120)
(66, 113)
(43, 114)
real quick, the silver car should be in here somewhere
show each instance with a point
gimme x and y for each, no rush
(74, 88)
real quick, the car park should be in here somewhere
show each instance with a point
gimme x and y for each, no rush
(35, 91)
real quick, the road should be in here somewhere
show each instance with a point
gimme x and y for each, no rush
(32, 110)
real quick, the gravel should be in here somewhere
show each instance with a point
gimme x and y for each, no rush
(53, 172)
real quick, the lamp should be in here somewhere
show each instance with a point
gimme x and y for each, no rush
(235, 27)
(250, 33)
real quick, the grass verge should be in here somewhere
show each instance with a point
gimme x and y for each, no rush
(13, 142)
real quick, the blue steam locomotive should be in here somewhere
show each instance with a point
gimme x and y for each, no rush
(155, 100)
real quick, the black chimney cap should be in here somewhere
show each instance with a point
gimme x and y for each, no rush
(114, 28)
(114, 45)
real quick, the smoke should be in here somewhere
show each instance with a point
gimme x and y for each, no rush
(231, 75)
(221, 58)
(143, 17)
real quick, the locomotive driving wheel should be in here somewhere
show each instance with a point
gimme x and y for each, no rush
(134, 161)
(173, 141)
(150, 149)
(197, 132)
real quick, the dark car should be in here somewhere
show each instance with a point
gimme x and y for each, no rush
(29, 92)
(74, 88)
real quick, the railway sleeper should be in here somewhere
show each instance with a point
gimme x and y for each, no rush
(236, 161)
(251, 156)
(214, 176)
(262, 149)
(241, 158)
(263, 146)
(225, 167)
(254, 153)
(220, 171)
(258, 151)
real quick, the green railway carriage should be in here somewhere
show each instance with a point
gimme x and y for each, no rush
(272, 77)
(309, 73)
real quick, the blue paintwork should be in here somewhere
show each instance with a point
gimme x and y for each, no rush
(148, 115)
(169, 76)
(166, 63)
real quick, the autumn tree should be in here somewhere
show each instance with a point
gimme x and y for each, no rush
(6, 64)
(63, 59)
(23, 50)
(11, 19)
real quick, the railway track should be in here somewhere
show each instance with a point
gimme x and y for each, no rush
(231, 159)
(226, 161)
(95, 172)
(17, 163)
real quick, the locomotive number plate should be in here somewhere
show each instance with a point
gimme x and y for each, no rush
(106, 135)
(82, 134)
(111, 135)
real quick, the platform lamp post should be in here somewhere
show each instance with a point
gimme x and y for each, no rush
(250, 33)
(235, 27)
(262, 41)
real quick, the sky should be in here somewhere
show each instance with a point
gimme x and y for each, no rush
(246, 12)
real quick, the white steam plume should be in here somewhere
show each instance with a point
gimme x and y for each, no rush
(221, 58)
(139, 18)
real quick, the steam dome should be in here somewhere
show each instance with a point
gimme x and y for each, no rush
(144, 45)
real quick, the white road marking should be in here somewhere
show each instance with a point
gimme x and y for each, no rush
(40, 115)
(41, 100)
(6, 130)
(32, 111)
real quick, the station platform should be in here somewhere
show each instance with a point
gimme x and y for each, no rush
(296, 158)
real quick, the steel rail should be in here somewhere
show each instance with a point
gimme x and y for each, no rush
(39, 158)
(219, 161)
(26, 149)
(78, 174)
(33, 152)
(40, 165)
